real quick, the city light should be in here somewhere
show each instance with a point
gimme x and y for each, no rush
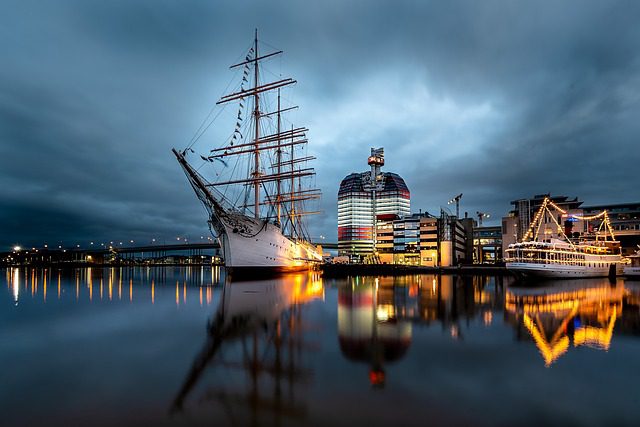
(17, 248)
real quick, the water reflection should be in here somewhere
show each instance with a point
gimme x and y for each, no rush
(561, 313)
(89, 284)
(369, 327)
(376, 314)
(257, 329)
(142, 341)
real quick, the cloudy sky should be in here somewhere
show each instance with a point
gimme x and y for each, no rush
(498, 100)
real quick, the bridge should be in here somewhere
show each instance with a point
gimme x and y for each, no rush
(191, 251)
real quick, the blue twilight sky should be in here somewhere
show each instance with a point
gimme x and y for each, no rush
(495, 99)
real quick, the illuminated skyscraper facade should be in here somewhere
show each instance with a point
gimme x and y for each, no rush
(364, 196)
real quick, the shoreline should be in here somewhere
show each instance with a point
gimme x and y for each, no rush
(342, 270)
(328, 270)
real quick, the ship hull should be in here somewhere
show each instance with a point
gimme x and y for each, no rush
(255, 246)
(556, 270)
(632, 272)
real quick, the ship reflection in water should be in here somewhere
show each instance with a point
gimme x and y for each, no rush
(257, 328)
(561, 314)
(184, 346)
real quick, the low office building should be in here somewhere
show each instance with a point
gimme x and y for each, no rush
(425, 240)
(487, 245)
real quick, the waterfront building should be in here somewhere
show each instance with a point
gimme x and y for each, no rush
(423, 239)
(429, 241)
(399, 239)
(363, 197)
(385, 238)
(456, 240)
(487, 245)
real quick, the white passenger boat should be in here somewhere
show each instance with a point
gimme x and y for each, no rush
(546, 251)
(632, 270)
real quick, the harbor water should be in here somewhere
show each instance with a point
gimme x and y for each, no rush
(189, 346)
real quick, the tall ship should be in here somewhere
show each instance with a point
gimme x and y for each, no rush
(547, 251)
(255, 183)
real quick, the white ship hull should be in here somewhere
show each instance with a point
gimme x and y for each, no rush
(556, 270)
(250, 243)
(632, 272)
(540, 254)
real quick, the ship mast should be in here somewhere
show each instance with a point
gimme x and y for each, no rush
(287, 196)
(279, 165)
(293, 201)
(256, 114)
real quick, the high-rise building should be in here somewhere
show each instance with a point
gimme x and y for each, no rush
(364, 196)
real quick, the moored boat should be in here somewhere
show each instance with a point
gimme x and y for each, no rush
(255, 201)
(632, 270)
(546, 251)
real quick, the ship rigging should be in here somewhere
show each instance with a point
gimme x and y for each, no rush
(257, 199)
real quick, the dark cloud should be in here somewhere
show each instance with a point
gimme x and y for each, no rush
(498, 100)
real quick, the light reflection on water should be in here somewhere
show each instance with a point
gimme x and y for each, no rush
(300, 349)
(35, 283)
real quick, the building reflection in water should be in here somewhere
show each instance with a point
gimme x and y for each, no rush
(563, 313)
(375, 315)
(369, 327)
(258, 329)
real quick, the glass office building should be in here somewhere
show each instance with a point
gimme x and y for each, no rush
(364, 196)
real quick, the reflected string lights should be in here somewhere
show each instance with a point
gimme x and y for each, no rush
(566, 313)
